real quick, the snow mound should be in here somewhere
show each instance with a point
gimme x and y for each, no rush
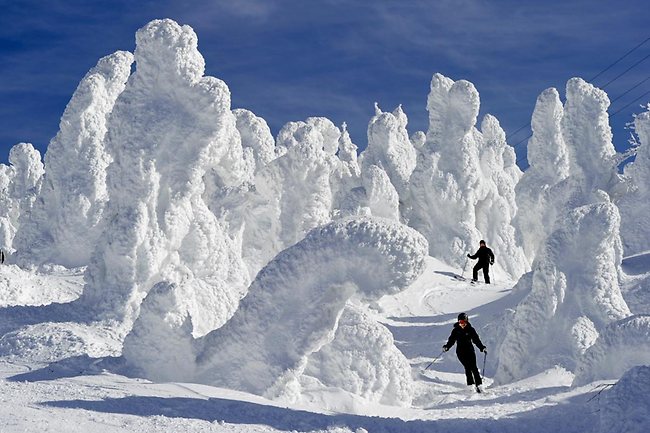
(291, 310)
(620, 346)
(363, 360)
(625, 408)
(572, 297)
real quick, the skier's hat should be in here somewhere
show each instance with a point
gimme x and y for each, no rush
(462, 316)
(481, 242)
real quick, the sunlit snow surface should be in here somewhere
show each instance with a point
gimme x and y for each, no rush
(81, 393)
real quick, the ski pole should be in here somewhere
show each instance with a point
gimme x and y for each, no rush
(434, 360)
(464, 267)
(484, 358)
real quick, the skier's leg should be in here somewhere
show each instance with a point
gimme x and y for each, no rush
(467, 364)
(486, 274)
(475, 272)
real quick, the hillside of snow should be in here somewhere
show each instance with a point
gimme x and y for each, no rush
(173, 266)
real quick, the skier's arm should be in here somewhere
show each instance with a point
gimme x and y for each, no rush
(474, 256)
(477, 340)
(491, 257)
(450, 341)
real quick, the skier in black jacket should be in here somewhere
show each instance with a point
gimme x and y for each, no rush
(485, 258)
(464, 335)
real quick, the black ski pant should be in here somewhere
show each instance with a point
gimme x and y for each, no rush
(468, 359)
(486, 272)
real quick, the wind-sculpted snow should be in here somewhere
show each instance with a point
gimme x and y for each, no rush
(171, 131)
(635, 218)
(620, 346)
(363, 360)
(462, 188)
(256, 135)
(291, 310)
(575, 293)
(68, 219)
(381, 198)
(20, 185)
(625, 408)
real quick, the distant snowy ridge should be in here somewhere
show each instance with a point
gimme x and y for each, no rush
(291, 311)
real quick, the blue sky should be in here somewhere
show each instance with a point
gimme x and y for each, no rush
(287, 60)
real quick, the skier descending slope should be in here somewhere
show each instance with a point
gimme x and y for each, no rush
(464, 335)
(485, 259)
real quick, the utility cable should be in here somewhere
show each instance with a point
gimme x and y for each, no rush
(625, 106)
(630, 89)
(596, 76)
(624, 72)
(619, 59)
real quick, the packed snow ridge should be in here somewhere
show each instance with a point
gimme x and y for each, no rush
(215, 252)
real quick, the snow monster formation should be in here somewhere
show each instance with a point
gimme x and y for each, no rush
(291, 311)
(171, 129)
(69, 215)
(635, 219)
(20, 184)
(462, 187)
(572, 297)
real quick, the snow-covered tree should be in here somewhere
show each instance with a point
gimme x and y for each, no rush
(69, 215)
(170, 130)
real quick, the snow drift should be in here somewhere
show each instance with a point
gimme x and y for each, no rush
(625, 408)
(621, 346)
(291, 311)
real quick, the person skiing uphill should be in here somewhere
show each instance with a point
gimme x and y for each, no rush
(485, 258)
(463, 334)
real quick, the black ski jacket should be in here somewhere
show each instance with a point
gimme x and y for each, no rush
(464, 338)
(484, 255)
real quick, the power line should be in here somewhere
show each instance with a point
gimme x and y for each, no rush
(596, 76)
(624, 72)
(625, 106)
(619, 59)
(630, 89)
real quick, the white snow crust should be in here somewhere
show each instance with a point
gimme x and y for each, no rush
(625, 408)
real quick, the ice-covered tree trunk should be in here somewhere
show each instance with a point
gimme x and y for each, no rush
(70, 213)
(20, 185)
(8, 210)
(635, 218)
(538, 202)
(495, 212)
(575, 293)
(171, 128)
(461, 188)
(389, 147)
(291, 311)
(588, 136)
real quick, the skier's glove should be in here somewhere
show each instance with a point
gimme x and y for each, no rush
(484, 350)
(469, 256)
(491, 262)
(445, 348)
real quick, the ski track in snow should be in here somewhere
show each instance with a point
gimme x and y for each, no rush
(86, 394)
